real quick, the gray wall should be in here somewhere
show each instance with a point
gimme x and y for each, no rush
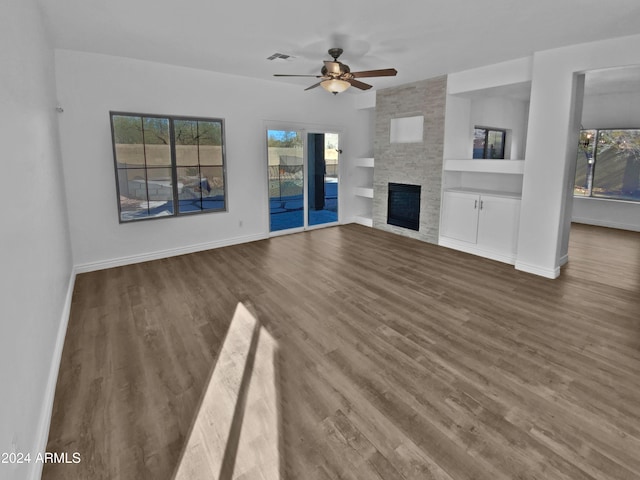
(412, 163)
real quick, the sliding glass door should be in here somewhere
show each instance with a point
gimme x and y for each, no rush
(286, 179)
(303, 179)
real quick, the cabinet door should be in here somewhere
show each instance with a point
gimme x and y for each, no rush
(498, 223)
(460, 216)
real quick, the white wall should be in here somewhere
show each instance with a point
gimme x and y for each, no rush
(606, 213)
(458, 133)
(35, 254)
(466, 112)
(614, 110)
(545, 213)
(492, 76)
(90, 85)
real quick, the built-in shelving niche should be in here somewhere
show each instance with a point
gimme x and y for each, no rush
(494, 183)
(489, 175)
(364, 190)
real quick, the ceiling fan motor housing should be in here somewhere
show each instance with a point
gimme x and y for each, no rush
(335, 52)
(343, 69)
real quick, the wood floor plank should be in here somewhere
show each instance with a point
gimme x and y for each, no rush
(378, 357)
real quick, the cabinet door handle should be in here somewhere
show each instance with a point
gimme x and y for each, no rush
(475, 204)
(481, 202)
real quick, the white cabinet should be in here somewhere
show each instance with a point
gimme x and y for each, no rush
(482, 223)
(498, 223)
(460, 216)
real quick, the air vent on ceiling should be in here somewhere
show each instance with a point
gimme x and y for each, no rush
(282, 56)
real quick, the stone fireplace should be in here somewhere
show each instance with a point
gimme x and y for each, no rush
(410, 161)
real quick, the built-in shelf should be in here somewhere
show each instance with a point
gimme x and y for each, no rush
(364, 162)
(515, 167)
(364, 192)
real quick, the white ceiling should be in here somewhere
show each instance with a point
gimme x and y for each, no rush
(420, 38)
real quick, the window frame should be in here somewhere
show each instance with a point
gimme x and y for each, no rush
(173, 165)
(487, 130)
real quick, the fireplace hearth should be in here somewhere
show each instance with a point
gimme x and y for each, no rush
(403, 207)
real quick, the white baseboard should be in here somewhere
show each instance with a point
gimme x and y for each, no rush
(564, 259)
(50, 392)
(172, 252)
(607, 223)
(362, 220)
(538, 270)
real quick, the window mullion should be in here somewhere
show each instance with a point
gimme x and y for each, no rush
(146, 166)
(174, 168)
(592, 170)
(199, 169)
(485, 154)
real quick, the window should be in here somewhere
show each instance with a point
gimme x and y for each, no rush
(168, 166)
(488, 142)
(608, 164)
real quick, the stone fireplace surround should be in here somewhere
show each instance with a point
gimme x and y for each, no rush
(418, 163)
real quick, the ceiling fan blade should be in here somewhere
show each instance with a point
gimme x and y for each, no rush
(332, 67)
(287, 75)
(385, 72)
(359, 84)
(313, 86)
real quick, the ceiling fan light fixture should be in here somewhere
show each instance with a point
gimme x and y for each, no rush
(335, 86)
(336, 76)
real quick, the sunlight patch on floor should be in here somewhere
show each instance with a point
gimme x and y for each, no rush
(235, 434)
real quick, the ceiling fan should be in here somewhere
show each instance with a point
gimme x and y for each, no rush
(337, 77)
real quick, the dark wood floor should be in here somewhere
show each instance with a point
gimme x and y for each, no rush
(394, 359)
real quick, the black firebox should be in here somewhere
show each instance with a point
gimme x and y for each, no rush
(403, 207)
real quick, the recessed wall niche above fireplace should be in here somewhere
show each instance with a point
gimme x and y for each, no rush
(403, 205)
